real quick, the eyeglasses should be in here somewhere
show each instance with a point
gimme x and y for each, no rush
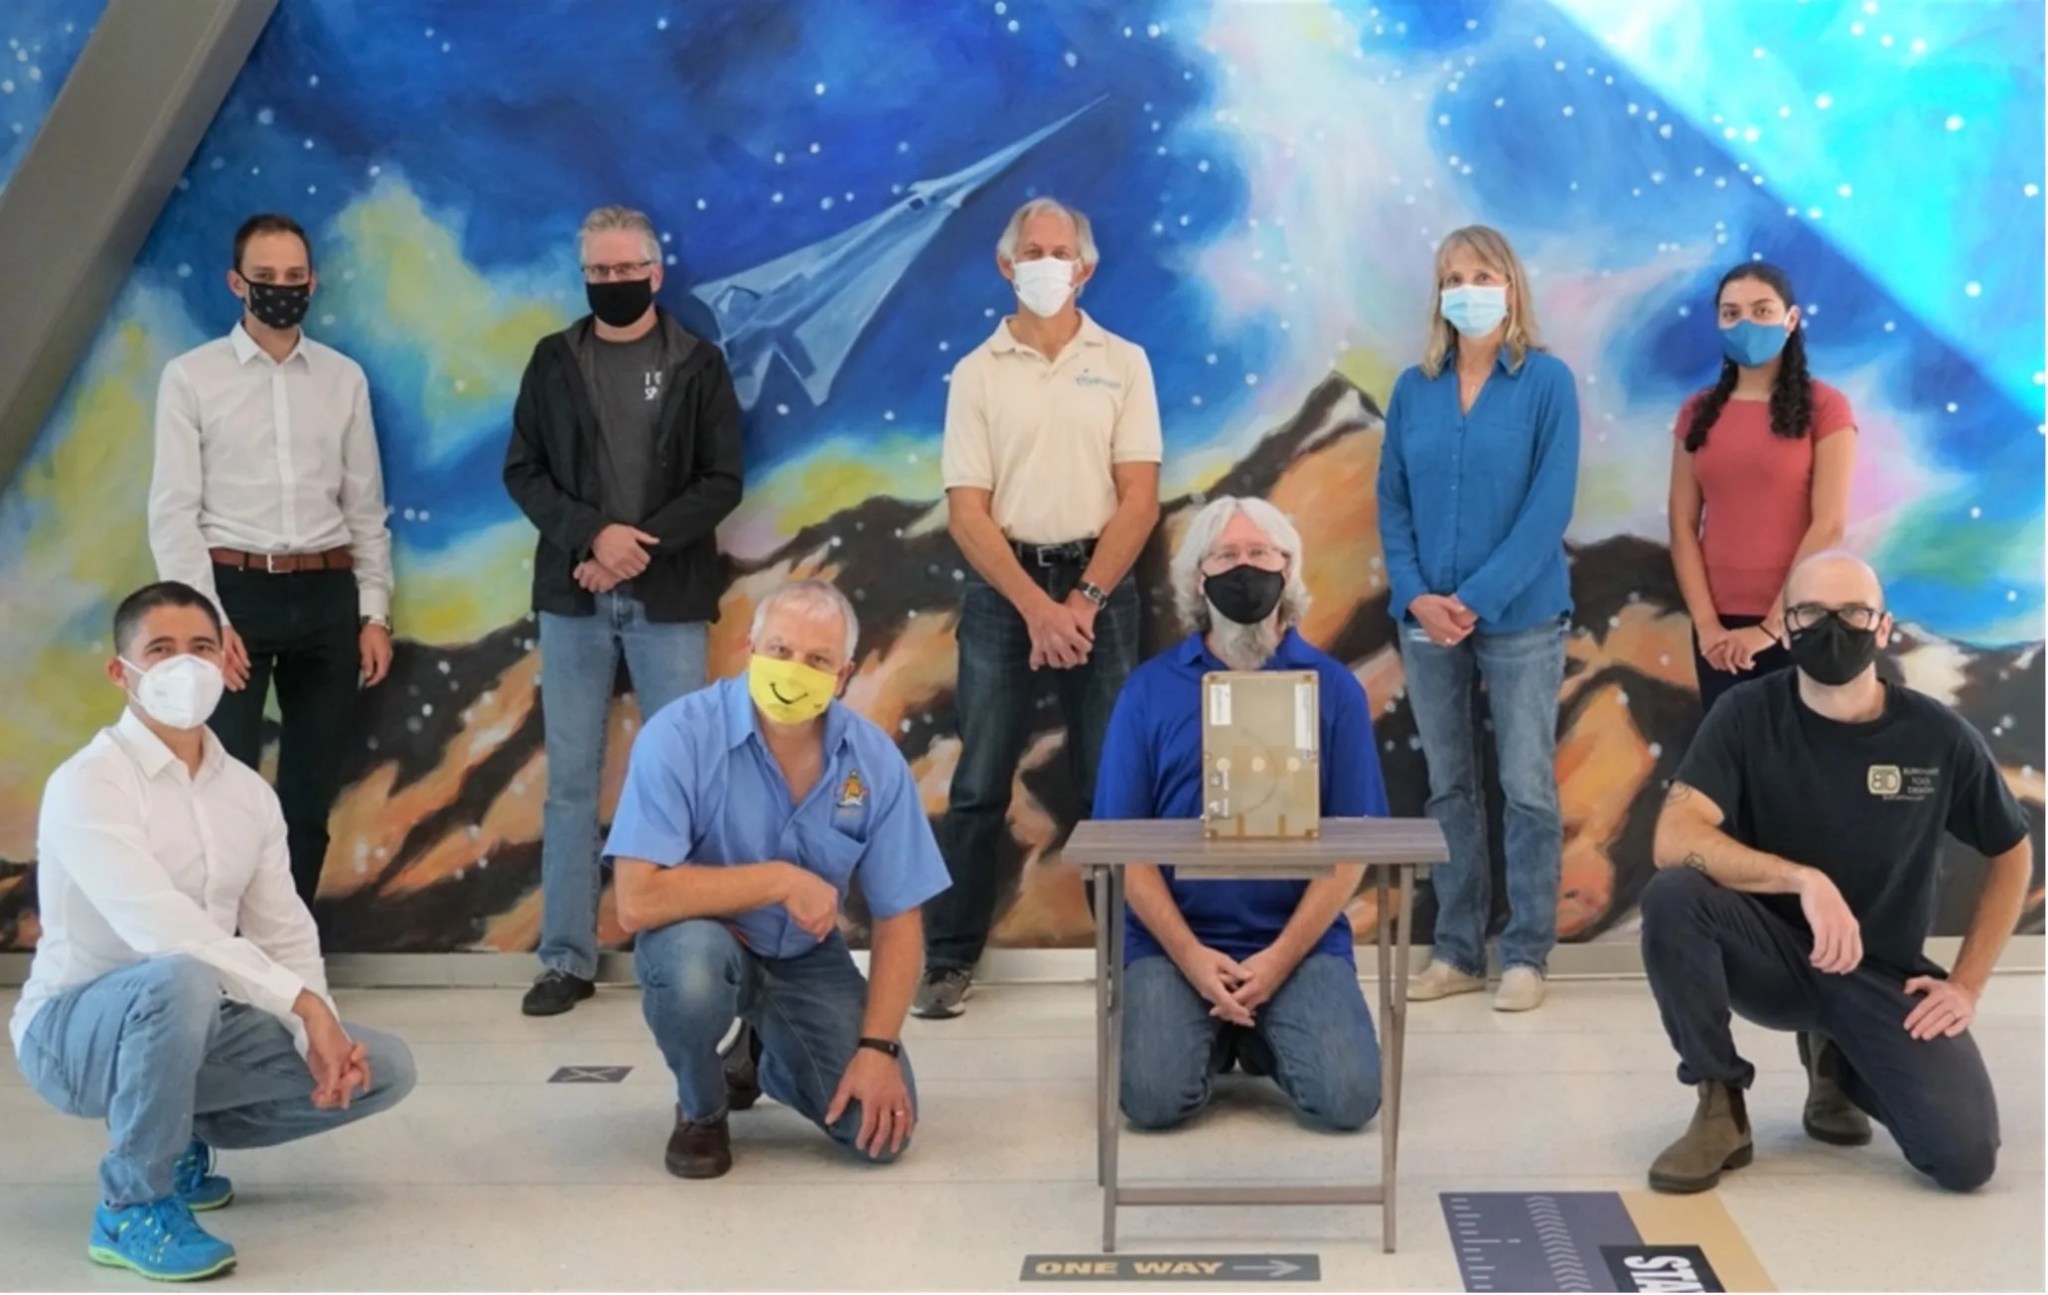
(1258, 555)
(1804, 616)
(623, 270)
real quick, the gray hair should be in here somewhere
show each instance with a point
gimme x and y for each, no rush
(1201, 536)
(1084, 232)
(812, 596)
(606, 219)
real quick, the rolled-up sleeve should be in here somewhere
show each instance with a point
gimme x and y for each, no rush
(901, 867)
(657, 812)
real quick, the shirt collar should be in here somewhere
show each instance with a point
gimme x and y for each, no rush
(246, 348)
(1503, 360)
(742, 721)
(151, 753)
(1290, 655)
(1005, 342)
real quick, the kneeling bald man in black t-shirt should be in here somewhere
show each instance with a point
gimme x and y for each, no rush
(1798, 855)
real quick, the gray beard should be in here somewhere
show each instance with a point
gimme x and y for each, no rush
(1243, 647)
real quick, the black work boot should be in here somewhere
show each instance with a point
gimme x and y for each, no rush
(1830, 1116)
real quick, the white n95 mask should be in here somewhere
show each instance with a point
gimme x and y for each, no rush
(180, 692)
(1045, 284)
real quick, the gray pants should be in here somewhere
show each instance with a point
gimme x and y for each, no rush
(1710, 950)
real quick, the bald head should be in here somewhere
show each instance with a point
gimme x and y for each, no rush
(1834, 579)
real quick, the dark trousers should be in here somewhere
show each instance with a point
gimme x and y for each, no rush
(993, 703)
(1709, 950)
(302, 633)
(1714, 684)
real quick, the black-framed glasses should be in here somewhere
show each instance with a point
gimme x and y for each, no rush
(622, 270)
(1804, 616)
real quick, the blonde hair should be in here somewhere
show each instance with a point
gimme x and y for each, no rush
(1492, 247)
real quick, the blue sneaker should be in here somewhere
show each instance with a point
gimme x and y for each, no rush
(194, 1182)
(160, 1240)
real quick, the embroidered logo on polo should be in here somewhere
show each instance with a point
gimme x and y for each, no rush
(1890, 782)
(1097, 380)
(853, 793)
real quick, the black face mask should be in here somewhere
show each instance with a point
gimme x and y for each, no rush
(1832, 653)
(1245, 594)
(281, 306)
(621, 302)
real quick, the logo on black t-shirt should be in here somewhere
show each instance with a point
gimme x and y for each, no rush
(651, 379)
(1890, 782)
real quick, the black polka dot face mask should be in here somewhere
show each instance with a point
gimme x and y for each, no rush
(280, 305)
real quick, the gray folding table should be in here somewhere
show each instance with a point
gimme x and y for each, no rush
(1394, 852)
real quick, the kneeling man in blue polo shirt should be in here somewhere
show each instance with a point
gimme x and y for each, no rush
(1258, 974)
(749, 808)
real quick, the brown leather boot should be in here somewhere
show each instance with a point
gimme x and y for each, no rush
(1718, 1139)
(743, 1070)
(1830, 1116)
(699, 1150)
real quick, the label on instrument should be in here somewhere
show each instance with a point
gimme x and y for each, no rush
(1219, 705)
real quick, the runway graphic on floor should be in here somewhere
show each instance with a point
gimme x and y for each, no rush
(1598, 1241)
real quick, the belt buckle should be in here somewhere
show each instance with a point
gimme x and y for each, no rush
(270, 563)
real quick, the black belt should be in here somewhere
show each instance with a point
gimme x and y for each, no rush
(1073, 553)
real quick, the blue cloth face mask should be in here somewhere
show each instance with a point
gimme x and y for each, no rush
(1753, 345)
(1475, 309)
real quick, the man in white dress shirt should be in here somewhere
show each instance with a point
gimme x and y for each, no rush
(268, 498)
(177, 990)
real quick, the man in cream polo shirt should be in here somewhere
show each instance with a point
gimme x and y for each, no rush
(1051, 466)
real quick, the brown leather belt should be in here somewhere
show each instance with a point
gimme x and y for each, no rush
(280, 564)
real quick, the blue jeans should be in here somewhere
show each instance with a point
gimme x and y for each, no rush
(579, 660)
(1521, 673)
(1314, 1036)
(696, 978)
(155, 1051)
(993, 708)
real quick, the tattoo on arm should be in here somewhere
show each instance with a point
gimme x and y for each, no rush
(1695, 862)
(1678, 795)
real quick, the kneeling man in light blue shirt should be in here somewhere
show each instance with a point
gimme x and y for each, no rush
(749, 809)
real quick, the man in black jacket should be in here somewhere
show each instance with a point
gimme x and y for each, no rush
(625, 455)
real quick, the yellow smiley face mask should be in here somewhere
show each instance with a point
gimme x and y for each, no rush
(789, 692)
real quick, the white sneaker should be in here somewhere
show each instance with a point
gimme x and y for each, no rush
(1521, 988)
(1441, 980)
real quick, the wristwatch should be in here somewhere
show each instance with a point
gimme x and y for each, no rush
(887, 1047)
(381, 622)
(1092, 592)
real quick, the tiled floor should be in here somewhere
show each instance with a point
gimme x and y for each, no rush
(488, 1177)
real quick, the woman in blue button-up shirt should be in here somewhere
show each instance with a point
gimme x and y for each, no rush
(1477, 476)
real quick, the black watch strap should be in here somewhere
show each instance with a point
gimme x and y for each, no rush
(1093, 593)
(887, 1047)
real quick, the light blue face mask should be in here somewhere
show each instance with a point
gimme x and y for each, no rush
(1753, 345)
(1475, 309)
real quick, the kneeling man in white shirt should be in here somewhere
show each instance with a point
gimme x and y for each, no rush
(177, 990)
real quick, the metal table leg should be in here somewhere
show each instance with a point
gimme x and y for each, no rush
(1113, 1051)
(1104, 1099)
(1390, 1063)
(1397, 1037)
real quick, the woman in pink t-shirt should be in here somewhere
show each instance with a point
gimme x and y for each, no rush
(1759, 479)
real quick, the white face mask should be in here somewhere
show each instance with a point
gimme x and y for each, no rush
(180, 692)
(1045, 284)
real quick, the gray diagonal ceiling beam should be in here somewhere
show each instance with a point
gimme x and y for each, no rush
(77, 209)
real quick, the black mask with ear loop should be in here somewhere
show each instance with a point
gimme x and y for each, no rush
(281, 306)
(1832, 652)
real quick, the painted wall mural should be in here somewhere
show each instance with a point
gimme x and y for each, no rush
(1267, 180)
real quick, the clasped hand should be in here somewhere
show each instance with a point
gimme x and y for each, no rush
(1235, 990)
(1447, 621)
(1062, 634)
(618, 554)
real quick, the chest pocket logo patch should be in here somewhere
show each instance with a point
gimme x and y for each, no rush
(853, 793)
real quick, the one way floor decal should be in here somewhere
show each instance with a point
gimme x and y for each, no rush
(1599, 1241)
(1178, 1269)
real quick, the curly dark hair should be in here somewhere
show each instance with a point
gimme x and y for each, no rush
(1791, 391)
